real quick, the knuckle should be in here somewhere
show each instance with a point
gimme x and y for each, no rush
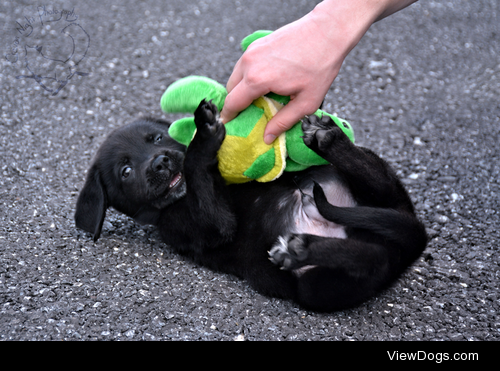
(253, 79)
(282, 125)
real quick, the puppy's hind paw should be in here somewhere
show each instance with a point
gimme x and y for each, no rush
(320, 133)
(289, 252)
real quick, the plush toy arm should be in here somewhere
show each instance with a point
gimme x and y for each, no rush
(184, 95)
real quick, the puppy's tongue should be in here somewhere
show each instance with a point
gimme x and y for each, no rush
(177, 178)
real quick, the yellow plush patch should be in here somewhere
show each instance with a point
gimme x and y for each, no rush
(244, 156)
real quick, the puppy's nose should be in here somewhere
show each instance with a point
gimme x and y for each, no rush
(160, 163)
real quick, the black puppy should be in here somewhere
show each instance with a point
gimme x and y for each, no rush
(328, 237)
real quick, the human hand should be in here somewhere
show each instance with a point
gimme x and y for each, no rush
(302, 59)
(292, 62)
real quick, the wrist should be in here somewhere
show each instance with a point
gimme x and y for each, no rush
(344, 23)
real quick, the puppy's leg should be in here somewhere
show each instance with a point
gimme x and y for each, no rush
(299, 250)
(200, 164)
(384, 235)
(211, 221)
(384, 207)
(210, 133)
(341, 272)
(369, 178)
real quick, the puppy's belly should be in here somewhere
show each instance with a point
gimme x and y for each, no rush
(306, 217)
(318, 226)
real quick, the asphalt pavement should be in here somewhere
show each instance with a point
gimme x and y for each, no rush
(421, 89)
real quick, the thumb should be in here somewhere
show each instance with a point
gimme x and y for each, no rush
(287, 117)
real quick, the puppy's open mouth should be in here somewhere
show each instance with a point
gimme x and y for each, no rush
(171, 192)
(176, 180)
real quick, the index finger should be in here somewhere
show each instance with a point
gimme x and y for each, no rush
(239, 98)
(235, 78)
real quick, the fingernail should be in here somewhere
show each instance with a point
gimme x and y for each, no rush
(269, 138)
(224, 118)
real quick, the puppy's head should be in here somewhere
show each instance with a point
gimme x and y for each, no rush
(138, 170)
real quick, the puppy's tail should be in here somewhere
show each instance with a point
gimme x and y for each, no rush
(396, 226)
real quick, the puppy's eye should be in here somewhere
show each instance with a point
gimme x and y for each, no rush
(126, 171)
(158, 138)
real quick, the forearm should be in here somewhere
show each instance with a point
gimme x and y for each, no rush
(393, 6)
(344, 22)
(374, 9)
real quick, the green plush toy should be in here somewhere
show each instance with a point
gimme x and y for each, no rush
(244, 156)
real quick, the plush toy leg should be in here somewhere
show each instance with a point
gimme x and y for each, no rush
(183, 130)
(298, 152)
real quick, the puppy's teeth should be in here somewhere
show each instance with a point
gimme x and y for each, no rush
(175, 181)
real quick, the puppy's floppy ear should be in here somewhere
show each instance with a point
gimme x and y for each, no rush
(91, 205)
(158, 121)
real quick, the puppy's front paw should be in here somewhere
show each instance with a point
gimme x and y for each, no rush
(208, 124)
(289, 252)
(321, 133)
